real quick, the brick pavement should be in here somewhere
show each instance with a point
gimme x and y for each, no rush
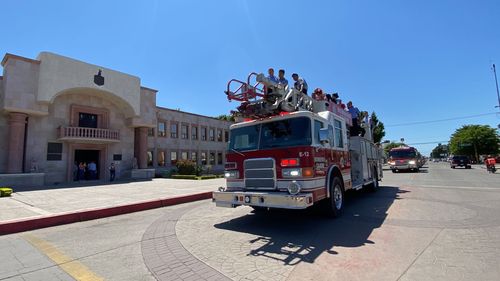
(165, 256)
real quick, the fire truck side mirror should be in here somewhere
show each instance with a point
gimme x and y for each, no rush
(324, 135)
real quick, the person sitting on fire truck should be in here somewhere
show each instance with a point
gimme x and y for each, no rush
(318, 94)
(300, 83)
(272, 78)
(281, 78)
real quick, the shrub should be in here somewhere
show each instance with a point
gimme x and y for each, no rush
(185, 177)
(186, 167)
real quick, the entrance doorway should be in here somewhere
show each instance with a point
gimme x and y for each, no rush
(90, 161)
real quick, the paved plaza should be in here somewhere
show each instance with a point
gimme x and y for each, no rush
(439, 224)
(25, 203)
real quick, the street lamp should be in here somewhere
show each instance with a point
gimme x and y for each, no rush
(496, 83)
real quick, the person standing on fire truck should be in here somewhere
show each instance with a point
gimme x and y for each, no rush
(272, 78)
(354, 111)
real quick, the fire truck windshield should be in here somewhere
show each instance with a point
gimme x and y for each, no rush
(402, 154)
(282, 133)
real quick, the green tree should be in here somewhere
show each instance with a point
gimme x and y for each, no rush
(225, 117)
(439, 151)
(392, 145)
(474, 140)
(378, 128)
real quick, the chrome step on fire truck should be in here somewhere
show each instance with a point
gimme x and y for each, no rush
(291, 151)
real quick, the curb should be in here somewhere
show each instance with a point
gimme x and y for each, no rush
(92, 214)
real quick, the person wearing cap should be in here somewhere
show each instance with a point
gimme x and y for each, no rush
(300, 83)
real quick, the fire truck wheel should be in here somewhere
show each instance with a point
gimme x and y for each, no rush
(335, 204)
(374, 185)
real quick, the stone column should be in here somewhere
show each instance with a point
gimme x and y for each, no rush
(141, 147)
(17, 122)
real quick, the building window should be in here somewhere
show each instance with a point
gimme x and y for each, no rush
(212, 158)
(161, 158)
(117, 157)
(151, 132)
(87, 120)
(211, 134)
(226, 136)
(194, 132)
(203, 158)
(150, 158)
(184, 132)
(162, 131)
(194, 157)
(173, 157)
(173, 130)
(203, 134)
(54, 151)
(219, 158)
(184, 155)
(219, 135)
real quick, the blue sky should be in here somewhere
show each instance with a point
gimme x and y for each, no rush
(406, 60)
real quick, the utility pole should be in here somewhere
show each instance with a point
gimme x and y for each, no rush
(496, 82)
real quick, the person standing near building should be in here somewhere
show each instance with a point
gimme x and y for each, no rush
(281, 78)
(112, 172)
(300, 83)
(81, 171)
(92, 170)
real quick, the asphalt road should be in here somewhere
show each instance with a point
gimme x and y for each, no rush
(439, 224)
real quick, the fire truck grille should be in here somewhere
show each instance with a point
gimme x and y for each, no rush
(260, 173)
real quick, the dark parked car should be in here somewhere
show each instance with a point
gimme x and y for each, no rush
(460, 161)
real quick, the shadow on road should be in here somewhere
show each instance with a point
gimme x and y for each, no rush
(294, 236)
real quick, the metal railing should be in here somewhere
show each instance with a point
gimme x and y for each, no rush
(88, 133)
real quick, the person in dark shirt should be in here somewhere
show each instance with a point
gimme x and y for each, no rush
(300, 83)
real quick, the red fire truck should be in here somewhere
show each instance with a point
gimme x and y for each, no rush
(405, 158)
(291, 151)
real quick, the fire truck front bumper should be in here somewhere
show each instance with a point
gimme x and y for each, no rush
(281, 200)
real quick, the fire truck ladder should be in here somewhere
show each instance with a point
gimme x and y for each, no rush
(273, 97)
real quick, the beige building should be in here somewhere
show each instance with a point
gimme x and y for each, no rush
(56, 111)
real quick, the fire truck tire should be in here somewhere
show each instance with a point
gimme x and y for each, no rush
(393, 170)
(374, 185)
(334, 205)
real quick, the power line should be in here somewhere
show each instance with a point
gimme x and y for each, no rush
(440, 120)
(431, 142)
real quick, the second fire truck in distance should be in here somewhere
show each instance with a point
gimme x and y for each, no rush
(405, 158)
(292, 151)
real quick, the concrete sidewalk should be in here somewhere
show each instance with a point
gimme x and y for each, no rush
(38, 204)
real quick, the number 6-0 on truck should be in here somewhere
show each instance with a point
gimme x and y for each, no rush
(291, 151)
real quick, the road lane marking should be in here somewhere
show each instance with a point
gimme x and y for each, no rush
(73, 267)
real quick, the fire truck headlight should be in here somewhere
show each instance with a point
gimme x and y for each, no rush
(291, 173)
(294, 188)
(411, 162)
(231, 174)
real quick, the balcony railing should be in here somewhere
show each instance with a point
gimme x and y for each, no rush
(83, 133)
